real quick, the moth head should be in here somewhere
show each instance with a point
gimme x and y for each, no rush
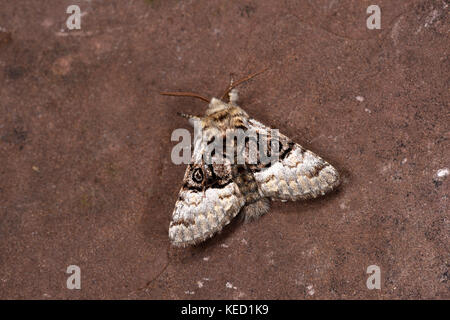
(214, 104)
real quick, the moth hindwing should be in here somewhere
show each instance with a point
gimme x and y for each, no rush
(214, 192)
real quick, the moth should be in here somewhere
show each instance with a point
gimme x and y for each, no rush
(213, 194)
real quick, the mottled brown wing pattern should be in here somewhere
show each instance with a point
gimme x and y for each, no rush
(299, 173)
(208, 201)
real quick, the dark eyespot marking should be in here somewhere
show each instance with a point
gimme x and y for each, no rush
(287, 151)
(197, 175)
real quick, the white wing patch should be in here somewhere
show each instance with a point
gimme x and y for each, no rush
(301, 174)
(199, 215)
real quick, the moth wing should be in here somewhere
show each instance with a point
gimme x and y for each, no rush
(199, 215)
(203, 209)
(298, 173)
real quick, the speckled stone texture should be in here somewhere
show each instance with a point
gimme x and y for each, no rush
(86, 176)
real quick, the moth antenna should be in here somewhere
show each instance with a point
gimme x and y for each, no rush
(187, 116)
(185, 94)
(235, 84)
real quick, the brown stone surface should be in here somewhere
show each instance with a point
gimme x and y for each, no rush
(85, 170)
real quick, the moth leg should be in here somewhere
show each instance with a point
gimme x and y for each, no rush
(192, 119)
